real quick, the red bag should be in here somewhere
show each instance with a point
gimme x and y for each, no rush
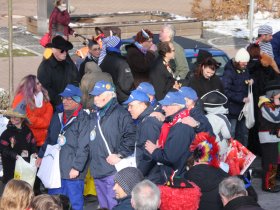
(45, 39)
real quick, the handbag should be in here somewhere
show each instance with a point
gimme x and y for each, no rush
(45, 39)
(49, 171)
(129, 161)
(248, 110)
(25, 171)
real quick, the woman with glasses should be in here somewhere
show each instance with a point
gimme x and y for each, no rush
(161, 74)
(39, 111)
(140, 55)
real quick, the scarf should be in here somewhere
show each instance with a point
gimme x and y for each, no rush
(39, 99)
(167, 125)
(67, 115)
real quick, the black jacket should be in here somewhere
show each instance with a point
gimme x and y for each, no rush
(148, 128)
(117, 66)
(243, 203)
(13, 142)
(139, 63)
(124, 204)
(56, 75)
(119, 131)
(207, 178)
(161, 78)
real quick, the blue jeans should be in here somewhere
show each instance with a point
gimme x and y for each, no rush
(73, 189)
(239, 131)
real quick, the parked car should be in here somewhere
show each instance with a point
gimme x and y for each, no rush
(191, 48)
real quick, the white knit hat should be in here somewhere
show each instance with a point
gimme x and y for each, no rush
(242, 55)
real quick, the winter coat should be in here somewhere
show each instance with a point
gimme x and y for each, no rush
(119, 131)
(275, 42)
(39, 119)
(176, 149)
(56, 75)
(13, 142)
(93, 74)
(161, 78)
(124, 204)
(74, 153)
(269, 121)
(181, 65)
(82, 70)
(202, 85)
(235, 88)
(148, 128)
(242, 203)
(139, 63)
(58, 22)
(207, 178)
(117, 66)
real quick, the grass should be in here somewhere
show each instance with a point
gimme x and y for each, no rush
(17, 52)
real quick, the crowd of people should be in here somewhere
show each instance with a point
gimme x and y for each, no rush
(176, 125)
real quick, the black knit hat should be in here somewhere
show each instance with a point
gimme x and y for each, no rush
(202, 55)
(128, 177)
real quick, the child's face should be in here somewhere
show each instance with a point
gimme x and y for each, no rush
(189, 103)
(16, 121)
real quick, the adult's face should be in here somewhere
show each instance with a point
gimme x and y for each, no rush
(136, 108)
(69, 104)
(119, 191)
(95, 51)
(171, 109)
(60, 55)
(267, 37)
(242, 65)
(164, 35)
(102, 99)
(148, 43)
(207, 72)
(38, 86)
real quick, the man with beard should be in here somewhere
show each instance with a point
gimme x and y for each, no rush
(264, 39)
(236, 79)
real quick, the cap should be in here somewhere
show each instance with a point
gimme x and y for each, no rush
(188, 92)
(101, 87)
(172, 98)
(265, 29)
(147, 88)
(137, 95)
(71, 91)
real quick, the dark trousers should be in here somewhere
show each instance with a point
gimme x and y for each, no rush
(269, 155)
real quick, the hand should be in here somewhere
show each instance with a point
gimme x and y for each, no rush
(38, 162)
(251, 82)
(150, 146)
(158, 115)
(73, 173)
(113, 159)
(246, 100)
(190, 121)
(177, 85)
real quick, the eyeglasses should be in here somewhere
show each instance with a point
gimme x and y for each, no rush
(62, 51)
(96, 49)
(66, 98)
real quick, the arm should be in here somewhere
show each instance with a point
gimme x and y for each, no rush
(42, 121)
(5, 148)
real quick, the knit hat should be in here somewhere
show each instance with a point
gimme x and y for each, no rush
(265, 29)
(202, 55)
(147, 88)
(128, 177)
(242, 55)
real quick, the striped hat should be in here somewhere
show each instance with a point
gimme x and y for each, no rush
(265, 29)
(128, 177)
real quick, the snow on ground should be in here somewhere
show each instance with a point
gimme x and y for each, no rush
(239, 27)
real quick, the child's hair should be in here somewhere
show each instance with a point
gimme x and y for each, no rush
(46, 202)
(17, 195)
(64, 200)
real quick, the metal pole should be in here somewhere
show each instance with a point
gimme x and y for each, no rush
(11, 61)
(251, 19)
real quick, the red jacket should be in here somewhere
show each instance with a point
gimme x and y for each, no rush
(39, 119)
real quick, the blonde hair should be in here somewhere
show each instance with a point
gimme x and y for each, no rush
(46, 202)
(17, 195)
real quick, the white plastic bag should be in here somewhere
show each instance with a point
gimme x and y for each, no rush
(25, 171)
(49, 171)
(248, 110)
(129, 161)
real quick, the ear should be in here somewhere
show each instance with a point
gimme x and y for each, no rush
(132, 203)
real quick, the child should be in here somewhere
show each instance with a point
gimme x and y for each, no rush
(16, 140)
(269, 134)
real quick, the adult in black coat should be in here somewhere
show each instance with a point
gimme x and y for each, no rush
(58, 71)
(118, 68)
(161, 74)
(140, 55)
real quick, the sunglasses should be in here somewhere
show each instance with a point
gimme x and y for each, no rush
(62, 51)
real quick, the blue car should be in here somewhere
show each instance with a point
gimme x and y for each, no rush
(191, 48)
